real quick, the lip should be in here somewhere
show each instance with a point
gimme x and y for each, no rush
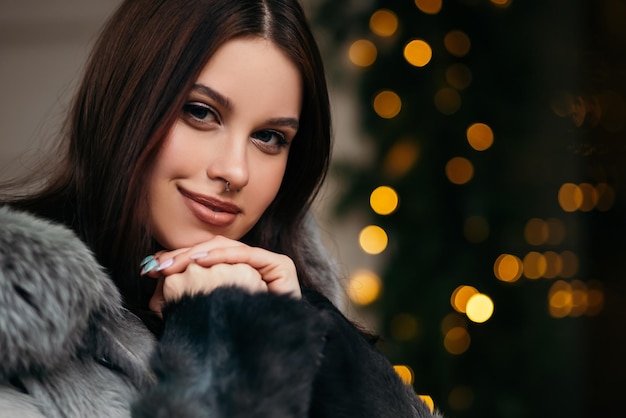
(210, 210)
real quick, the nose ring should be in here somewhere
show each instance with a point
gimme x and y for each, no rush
(228, 187)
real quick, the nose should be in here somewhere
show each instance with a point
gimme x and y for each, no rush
(230, 163)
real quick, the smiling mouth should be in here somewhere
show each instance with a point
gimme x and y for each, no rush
(210, 210)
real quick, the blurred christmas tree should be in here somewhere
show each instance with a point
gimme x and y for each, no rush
(498, 127)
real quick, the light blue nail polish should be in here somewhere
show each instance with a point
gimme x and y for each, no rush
(165, 264)
(146, 260)
(150, 265)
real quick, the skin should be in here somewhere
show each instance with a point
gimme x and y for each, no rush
(236, 127)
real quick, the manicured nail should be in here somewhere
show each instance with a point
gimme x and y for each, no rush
(198, 255)
(150, 265)
(146, 260)
(165, 264)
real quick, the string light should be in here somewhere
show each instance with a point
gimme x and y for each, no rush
(431, 7)
(384, 200)
(373, 239)
(384, 22)
(387, 104)
(501, 3)
(364, 287)
(459, 170)
(418, 53)
(554, 264)
(401, 158)
(479, 308)
(535, 265)
(536, 231)
(456, 341)
(457, 43)
(461, 296)
(480, 136)
(362, 53)
(508, 268)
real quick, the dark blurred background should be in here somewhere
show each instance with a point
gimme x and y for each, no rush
(477, 194)
(499, 127)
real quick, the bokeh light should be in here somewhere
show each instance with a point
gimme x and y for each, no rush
(569, 262)
(387, 104)
(501, 3)
(447, 101)
(590, 197)
(362, 53)
(479, 308)
(401, 158)
(452, 320)
(535, 265)
(459, 170)
(364, 287)
(384, 200)
(457, 341)
(430, 7)
(404, 327)
(508, 268)
(480, 136)
(570, 197)
(536, 231)
(560, 299)
(405, 373)
(460, 297)
(554, 265)
(459, 76)
(418, 53)
(606, 197)
(461, 398)
(373, 239)
(384, 22)
(457, 43)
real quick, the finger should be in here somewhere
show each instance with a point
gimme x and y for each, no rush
(157, 299)
(177, 261)
(277, 270)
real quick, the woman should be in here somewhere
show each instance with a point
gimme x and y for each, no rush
(199, 137)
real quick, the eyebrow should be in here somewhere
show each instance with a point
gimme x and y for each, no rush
(224, 102)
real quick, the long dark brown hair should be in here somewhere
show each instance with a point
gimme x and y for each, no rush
(137, 79)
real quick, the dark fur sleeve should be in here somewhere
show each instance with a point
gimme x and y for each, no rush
(232, 354)
(355, 379)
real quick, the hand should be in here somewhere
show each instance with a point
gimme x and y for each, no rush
(278, 272)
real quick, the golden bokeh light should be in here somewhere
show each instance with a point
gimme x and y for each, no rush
(461, 296)
(447, 101)
(556, 231)
(579, 298)
(476, 229)
(480, 136)
(569, 261)
(459, 76)
(428, 401)
(459, 170)
(364, 287)
(554, 265)
(362, 53)
(457, 341)
(373, 239)
(401, 158)
(535, 265)
(590, 197)
(606, 197)
(457, 43)
(431, 7)
(570, 197)
(560, 299)
(508, 268)
(404, 327)
(384, 200)
(501, 3)
(384, 22)
(452, 320)
(387, 104)
(461, 398)
(595, 298)
(479, 308)
(418, 53)
(405, 373)
(536, 231)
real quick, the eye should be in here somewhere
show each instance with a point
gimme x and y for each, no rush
(197, 112)
(270, 141)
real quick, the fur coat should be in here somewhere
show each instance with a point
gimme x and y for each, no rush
(69, 349)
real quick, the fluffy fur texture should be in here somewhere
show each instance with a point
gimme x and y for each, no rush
(64, 339)
(68, 348)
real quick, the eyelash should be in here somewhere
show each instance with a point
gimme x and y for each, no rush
(191, 107)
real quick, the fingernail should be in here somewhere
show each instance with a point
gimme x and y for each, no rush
(165, 264)
(146, 260)
(149, 266)
(198, 255)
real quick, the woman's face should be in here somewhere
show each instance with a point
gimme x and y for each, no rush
(224, 159)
